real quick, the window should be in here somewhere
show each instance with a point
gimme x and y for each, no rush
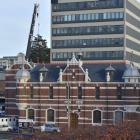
(79, 92)
(51, 92)
(119, 92)
(65, 18)
(16, 90)
(88, 17)
(97, 116)
(31, 91)
(68, 91)
(118, 117)
(100, 4)
(97, 92)
(50, 115)
(31, 114)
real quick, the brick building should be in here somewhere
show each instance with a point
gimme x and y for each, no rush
(2, 88)
(73, 93)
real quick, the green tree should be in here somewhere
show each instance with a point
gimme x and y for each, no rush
(40, 53)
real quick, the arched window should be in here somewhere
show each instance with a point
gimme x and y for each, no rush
(96, 116)
(31, 114)
(118, 117)
(50, 115)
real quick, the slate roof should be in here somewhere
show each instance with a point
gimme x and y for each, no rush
(131, 71)
(97, 72)
(52, 73)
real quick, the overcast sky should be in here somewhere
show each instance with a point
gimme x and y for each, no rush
(15, 20)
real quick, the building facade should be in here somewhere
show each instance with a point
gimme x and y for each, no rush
(74, 94)
(99, 29)
(8, 61)
(2, 90)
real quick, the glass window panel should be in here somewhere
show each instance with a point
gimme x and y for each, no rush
(105, 16)
(85, 16)
(89, 16)
(81, 17)
(121, 15)
(69, 17)
(118, 117)
(96, 116)
(65, 55)
(65, 18)
(96, 16)
(73, 17)
(50, 115)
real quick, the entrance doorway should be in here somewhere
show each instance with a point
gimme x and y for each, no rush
(73, 120)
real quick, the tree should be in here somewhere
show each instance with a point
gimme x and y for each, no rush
(40, 53)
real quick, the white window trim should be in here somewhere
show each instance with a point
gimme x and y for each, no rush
(34, 113)
(97, 124)
(114, 115)
(54, 115)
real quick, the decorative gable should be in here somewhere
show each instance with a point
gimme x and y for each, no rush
(74, 72)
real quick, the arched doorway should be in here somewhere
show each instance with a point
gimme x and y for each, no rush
(73, 122)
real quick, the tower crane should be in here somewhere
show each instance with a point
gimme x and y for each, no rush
(30, 38)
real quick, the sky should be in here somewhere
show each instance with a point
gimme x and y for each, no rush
(15, 21)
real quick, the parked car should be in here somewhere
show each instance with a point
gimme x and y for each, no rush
(50, 128)
(5, 128)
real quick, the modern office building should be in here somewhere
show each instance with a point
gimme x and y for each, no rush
(102, 30)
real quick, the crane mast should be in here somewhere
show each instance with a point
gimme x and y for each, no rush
(30, 38)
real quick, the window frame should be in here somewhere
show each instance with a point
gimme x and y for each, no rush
(97, 124)
(46, 118)
(27, 114)
(118, 110)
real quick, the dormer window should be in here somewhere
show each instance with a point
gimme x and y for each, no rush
(43, 71)
(109, 73)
